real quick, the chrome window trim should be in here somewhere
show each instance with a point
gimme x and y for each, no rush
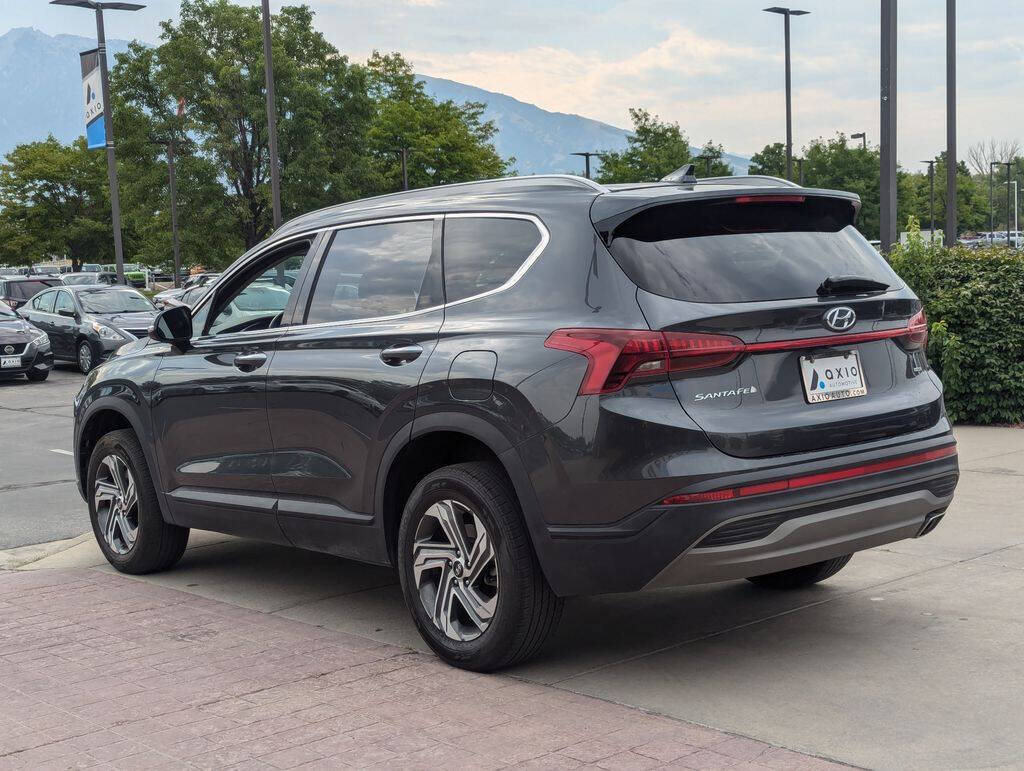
(531, 258)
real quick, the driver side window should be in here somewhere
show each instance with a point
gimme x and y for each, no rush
(259, 298)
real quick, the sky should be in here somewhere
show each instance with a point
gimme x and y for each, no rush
(716, 67)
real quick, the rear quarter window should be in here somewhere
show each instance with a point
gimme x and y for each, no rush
(484, 253)
(725, 250)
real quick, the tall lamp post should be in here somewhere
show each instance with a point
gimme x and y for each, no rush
(587, 156)
(268, 69)
(863, 137)
(951, 219)
(108, 120)
(1016, 231)
(1007, 164)
(931, 196)
(887, 133)
(991, 202)
(786, 13)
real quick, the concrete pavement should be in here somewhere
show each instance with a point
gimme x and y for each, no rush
(909, 658)
(98, 671)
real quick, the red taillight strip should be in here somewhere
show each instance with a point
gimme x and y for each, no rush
(810, 480)
(818, 342)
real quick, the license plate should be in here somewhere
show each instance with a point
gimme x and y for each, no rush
(10, 361)
(828, 378)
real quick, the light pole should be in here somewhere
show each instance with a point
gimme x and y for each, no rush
(168, 144)
(887, 133)
(931, 196)
(786, 13)
(1016, 232)
(268, 69)
(991, 203)
(800, 170)
(108, 120)
(951, 220)
(1007, 164)
(587, 156)
(863, 137)
(404, 153)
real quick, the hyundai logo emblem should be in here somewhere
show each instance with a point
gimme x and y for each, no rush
(840, 319)
(8, 349)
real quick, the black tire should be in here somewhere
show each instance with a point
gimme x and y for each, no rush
(796, 578)
(158, 544)
(85, 362)
(36, 376)
(526, 611)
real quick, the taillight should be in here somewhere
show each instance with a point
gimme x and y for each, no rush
(614, 356)
(769, 199)
(917, 331)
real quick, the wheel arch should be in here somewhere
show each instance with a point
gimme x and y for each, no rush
(111, 413)
(436, 440)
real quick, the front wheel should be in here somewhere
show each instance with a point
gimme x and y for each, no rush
(123, 507)
(86, 358)
(36, 376)
(795, 578)
(468, 571)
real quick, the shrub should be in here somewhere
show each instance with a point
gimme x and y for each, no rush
(975, 305)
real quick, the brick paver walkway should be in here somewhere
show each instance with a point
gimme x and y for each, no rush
(98, 670)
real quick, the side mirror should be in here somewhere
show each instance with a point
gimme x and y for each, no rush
(174, 326)
(66, 312)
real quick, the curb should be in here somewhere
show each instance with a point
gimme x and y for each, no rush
(20, 556)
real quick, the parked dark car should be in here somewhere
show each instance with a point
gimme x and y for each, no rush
(24, 349)
(191, 282)
(86, 324)
(523, 389)
(187, 297)
(83, 279)
(17, 291)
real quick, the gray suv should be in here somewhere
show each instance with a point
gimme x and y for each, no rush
(519, 390)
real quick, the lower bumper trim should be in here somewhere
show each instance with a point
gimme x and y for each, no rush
(808, 539)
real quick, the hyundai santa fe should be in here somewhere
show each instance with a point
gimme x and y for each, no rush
(520, 390)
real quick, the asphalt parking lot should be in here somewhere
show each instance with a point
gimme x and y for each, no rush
(38, 499)
(909, 658)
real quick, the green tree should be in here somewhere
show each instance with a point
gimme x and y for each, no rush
(444, 141)
(709, 163)
(212, 58)
(771, 160)
(54, 203)
(832, 164)
(653, 150)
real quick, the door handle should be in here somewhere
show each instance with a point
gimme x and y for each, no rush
(400, 354)
(250, 361)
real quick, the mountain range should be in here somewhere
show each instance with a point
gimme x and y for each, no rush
(41, 77)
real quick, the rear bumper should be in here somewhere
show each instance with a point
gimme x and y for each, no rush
(807, 539)
(570, 497)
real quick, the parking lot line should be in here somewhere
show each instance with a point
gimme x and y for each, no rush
(62, 452)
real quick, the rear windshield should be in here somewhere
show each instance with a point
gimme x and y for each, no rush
(23, 290)
(731, 250)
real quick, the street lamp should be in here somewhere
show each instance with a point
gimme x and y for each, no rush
(587, 155)
(786, 13)
(931, 196)
(887, 192)
(1016, 231)
(268, 70)
(404, 152)
(863, 137)
(108, 120)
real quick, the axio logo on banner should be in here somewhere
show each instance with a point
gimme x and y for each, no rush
(92, 96)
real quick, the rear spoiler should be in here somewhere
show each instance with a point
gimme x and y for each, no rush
(611, 209)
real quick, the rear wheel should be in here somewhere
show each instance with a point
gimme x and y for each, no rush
(468, 571)
(123, 507)
(805, 575)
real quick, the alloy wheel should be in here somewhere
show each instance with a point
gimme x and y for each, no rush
(456, 570)
(85, 357)
(116, 499)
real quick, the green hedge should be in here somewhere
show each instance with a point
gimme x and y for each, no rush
(975, 305)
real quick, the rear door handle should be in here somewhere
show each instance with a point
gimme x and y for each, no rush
(400, 354)
(250, 361)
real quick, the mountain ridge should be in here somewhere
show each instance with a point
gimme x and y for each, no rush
(47, 100)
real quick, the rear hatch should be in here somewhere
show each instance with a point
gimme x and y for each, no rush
(795, 366)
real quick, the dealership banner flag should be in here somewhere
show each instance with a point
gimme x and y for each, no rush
(92, 95)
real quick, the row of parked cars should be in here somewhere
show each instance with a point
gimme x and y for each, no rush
(80, 317)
